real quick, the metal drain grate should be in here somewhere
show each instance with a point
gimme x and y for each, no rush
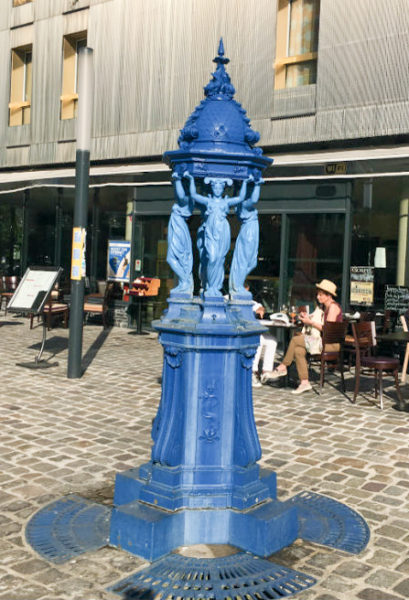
(238, 577)
(68, 527)
(331, 523)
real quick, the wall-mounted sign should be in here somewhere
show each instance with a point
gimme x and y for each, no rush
(336, 168)
(118, 263)
(78, 253)
(397, 298)
(362, 285)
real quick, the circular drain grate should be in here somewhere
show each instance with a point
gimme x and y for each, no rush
(68, 527)
(238, 577)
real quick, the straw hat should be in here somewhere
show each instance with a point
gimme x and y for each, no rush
(327, 286)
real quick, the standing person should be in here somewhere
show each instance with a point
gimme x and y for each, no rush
(297, 349)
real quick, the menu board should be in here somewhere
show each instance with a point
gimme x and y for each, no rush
(397, 298)
(34, 289)
(362, 286)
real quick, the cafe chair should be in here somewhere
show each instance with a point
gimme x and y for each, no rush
(332, 333)
(54, 309)
(97, 305)
(406, 359)
(8, 287)
(365, 359)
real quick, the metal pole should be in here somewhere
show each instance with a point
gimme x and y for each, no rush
(85, 105)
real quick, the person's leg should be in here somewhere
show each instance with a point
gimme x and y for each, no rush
(302, 367)
(270, 343)
(255, 382)
(281, 370)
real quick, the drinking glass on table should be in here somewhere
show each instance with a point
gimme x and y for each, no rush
(293, 314)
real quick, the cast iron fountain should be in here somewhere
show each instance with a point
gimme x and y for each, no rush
(203, 484)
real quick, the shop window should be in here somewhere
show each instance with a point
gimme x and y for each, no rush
(297, 43)
(20, 86)
(72, 44)
(20, 2)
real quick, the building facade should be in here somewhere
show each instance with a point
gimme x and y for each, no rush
(326, 83)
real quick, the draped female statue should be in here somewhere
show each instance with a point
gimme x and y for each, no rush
(216, 237)
(180, 256)
(246, 249)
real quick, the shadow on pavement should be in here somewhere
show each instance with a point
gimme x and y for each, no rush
(55, 345)
(10, 323)
(94, 348)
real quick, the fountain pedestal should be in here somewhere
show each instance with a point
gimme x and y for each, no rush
(203, 483)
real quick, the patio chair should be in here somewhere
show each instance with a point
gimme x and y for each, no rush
(364, 348)
(332, 333)
(97, 305)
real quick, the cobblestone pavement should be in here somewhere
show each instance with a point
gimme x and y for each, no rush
(61, 436)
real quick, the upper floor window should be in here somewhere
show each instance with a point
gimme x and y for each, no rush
(20, 86)
(297, 43)
(69, 96)
(19, 2)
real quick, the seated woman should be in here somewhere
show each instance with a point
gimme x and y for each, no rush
(298, 347)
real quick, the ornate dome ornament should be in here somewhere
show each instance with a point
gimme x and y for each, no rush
(217, 139)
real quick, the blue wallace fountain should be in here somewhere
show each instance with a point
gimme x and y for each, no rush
(203, 484)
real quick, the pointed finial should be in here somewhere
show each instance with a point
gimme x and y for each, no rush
(221, 47)
(220, 60)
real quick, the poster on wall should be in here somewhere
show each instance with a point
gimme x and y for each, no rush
(362, 286)
(119, 256)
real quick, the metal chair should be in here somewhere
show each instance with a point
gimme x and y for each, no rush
(364, 347)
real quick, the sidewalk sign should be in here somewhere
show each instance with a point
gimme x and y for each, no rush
(119, 256)
(34, 289)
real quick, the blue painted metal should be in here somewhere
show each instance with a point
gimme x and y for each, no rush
(68, 527)
(241, 576)
(325, 521)
(203, 484)
(217, 139)
(206, 446)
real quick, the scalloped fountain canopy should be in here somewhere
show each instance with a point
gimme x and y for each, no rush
(217, 139)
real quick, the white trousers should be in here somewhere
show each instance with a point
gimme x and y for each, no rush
(268, 346)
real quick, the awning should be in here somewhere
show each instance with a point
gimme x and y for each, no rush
(348, 163)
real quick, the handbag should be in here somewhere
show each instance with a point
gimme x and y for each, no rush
(312, 336)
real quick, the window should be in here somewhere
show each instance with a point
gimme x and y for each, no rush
(20, 2)
(69, 97)
(20, 86)
(297, 43)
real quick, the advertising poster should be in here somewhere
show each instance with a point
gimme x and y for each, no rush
(119, 256)
(362, 285)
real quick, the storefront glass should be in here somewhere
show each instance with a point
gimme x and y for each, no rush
(11, 236)
(315, 253)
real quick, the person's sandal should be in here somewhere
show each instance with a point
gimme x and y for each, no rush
(271, 375)
(305, 387)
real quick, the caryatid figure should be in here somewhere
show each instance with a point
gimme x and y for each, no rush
(246, 249)
(180, 255)
(217, 237)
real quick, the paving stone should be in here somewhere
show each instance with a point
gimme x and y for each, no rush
(374, 594)
(382, 578)
(403, 588)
